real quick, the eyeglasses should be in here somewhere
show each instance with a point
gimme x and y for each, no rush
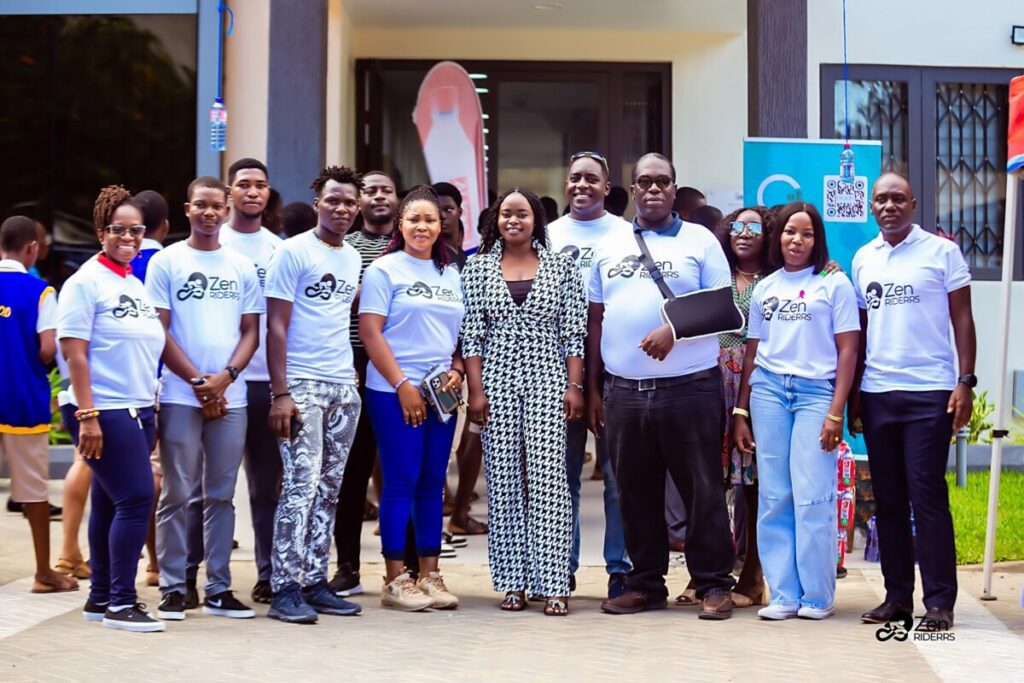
(599, 158)
(737, 228)
(120, 230)
(644, 182)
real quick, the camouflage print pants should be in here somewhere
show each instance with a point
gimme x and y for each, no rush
(313, 465)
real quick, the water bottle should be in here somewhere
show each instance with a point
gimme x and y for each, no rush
(218, 126)
(846, 165)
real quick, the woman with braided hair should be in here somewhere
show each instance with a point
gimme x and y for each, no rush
(112, 339)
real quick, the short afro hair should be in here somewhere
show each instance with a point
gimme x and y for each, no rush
(339, 174)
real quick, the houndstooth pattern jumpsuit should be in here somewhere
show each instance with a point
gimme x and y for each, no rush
(523, 351)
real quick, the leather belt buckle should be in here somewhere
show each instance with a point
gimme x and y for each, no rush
(646, 384)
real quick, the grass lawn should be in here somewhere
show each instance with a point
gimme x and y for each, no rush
(970, 511)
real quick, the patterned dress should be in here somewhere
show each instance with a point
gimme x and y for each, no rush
(737, 469)
(524, 350)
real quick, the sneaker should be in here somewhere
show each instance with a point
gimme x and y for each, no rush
(94, 611)
(289, 607)
(321, 599)
(816, 612)
(345, 582)
(447, 550)
(191, 599)
(225, 604)
(776, 612)
(261, 593)
(134, 618)
(616, 585)
(432, 585)
(453, 540)
(403, 594)
(172, 607)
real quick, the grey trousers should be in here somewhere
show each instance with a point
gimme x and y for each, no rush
(200, 459)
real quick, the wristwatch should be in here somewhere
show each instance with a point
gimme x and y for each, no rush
(233, 371)
(969, 380)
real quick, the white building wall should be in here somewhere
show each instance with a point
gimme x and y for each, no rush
(246, 81)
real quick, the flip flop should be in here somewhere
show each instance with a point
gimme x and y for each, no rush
(472, 528)
(40, 587)
(513, 602)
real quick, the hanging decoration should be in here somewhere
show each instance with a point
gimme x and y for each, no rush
(846, 170)
(218, 113)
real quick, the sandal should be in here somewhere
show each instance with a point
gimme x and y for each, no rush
(152, 576)
(515, 601)
(66, 585)
(758, 599)
(79, 570)
(688, 598)
(472, 527)
(556, 607)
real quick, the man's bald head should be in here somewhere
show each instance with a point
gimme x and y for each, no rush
(893, 180)
(893, 205)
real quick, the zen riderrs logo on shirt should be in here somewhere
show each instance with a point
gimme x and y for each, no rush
(631, 265)
(427, 292)
(128, 307)
(785, 309)
(583, 256)
(329, 288)
(200, 286)
(890, 293)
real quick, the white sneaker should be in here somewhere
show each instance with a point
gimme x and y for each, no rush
(403, 594)
(776, 612)
(433, 587)
(816, 612)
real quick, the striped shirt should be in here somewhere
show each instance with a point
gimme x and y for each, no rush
(369, 246)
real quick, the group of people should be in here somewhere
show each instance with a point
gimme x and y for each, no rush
(548, 329)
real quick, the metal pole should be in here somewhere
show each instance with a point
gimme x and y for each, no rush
(999, 430)
(961, 458)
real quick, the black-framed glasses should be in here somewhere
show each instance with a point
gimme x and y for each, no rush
(120, 230)
(644, 182)
(737, 228)
(599, 158)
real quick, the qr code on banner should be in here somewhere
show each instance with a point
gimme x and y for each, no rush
(846, 202)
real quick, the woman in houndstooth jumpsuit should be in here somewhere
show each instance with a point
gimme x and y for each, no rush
(522, 338)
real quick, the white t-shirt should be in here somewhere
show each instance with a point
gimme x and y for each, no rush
(424, 310)
(207, 293)
(126, 338)
(905, 291)
(691, 260)
(321, 282)
(258, 247)
(578, 239)
(47, 318)
(796, 317)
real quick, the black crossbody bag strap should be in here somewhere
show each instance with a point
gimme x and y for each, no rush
(652, 268)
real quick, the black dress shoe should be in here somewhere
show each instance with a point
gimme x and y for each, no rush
(884, 613)
(938, 618)
(15, 506)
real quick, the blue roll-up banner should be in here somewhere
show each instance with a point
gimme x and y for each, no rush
(779, 171)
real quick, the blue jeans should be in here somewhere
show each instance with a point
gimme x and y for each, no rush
(615, 558)
(796, 523)
(413, 462)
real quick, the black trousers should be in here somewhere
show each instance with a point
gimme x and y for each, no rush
(908, 434)
(262, 461)
(675, 425)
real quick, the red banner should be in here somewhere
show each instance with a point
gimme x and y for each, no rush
(1015, 136)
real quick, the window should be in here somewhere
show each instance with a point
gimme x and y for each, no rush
(946, 130)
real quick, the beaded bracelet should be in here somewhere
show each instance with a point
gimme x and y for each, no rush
(86, 414)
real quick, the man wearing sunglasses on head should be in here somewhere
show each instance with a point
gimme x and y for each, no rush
(662, 403)
(577, 235)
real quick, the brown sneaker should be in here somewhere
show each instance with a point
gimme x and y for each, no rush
(403, 594)
(433, 587)
(716, 606)
(632, 602)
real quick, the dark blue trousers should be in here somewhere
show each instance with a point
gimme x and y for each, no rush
(121, 498)
(907, 434)
(262, 462)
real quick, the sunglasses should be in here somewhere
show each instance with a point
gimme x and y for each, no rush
(120, 230)
(738, 227)
(644, 182)
(590, 155)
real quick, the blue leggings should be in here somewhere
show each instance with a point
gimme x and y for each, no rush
(413, 461)
(122, 499)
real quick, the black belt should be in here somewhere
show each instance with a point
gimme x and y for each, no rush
(655, 382)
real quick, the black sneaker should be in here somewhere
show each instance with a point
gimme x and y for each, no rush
(262, 593)
(345, 582)
(289, 607)
(93, 611)
(225, 604)
(191, 600)
(134, 618)
(320, 598)
(172, 607)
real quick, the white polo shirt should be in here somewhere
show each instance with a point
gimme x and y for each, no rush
(423, 308)
(321, 282)
(905, 291)
(796, 316)
(258, 247)
(691, 260)
(578, 239)
(207, 293)
(115, 315)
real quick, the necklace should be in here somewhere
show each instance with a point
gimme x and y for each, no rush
(327, 244)
(748, 274)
